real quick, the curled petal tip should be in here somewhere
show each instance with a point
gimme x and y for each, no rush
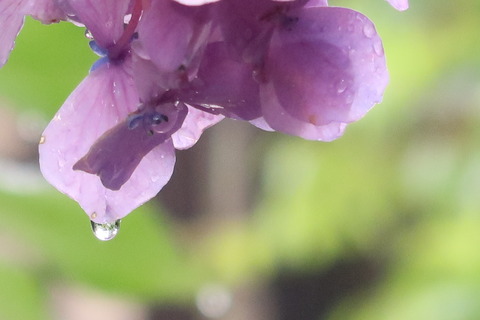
(400, 5)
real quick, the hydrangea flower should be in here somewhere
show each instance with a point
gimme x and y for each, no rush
(170, 69)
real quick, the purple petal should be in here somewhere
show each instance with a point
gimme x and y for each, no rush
(117, 153)
(104, 19)
(316, 3)
(180, 30)
(150, 81)
(246, 26)
(11, 22)
(333, 66)
(193, 126)
(46, 11)
(261, 124)
(224, 80)
(100, 102)
(400, 5)
(278, 119)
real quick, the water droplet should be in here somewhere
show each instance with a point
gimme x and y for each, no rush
(105, 231)
(116, 89)
(378, 48)
(341, 86)
(42, 140)
(369, 30)
(61, 162)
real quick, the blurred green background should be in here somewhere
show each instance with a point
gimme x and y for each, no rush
(383, 223)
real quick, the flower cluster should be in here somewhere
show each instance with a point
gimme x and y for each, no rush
(170, 69)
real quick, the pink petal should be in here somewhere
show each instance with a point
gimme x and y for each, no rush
(101, 101)
(193, 126)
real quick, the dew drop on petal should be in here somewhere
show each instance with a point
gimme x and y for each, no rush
(369, 30)
(105, 231)
(378, 48)
(341, 86)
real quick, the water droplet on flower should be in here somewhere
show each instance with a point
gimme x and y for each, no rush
(105, 231)
(369, 30)
(349, 98)
(378, 48)
(116, 89)
(61, 162)
(88, 34)
(341, 86)
(42, 140)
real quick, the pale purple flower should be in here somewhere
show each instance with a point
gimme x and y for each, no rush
(105, 98)
(110, 129)
(178, 67)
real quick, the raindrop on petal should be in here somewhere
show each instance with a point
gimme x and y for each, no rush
(341, 86)
(378, 48)
(105, 231)
(369, 30)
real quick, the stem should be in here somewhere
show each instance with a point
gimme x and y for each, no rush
(117, 50)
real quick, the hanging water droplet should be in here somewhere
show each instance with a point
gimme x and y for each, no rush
(369, 30)
(105, 231)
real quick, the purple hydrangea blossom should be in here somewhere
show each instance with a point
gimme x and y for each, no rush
(170, 69)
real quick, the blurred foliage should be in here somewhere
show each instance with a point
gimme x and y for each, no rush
(400, 188)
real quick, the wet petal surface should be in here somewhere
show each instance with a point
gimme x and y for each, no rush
(100, 102)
